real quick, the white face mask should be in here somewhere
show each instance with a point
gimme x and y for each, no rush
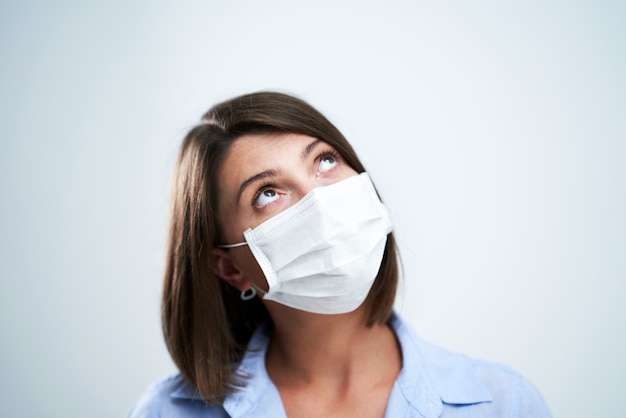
(322, 254)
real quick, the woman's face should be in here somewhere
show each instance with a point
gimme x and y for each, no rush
(261, 176)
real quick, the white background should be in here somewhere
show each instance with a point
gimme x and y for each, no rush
(495, 133)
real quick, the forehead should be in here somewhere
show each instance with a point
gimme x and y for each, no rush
(251, 154)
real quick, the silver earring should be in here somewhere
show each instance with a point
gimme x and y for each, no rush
(248, 294)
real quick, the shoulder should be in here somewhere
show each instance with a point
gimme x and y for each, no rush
(507, 384)
(510, 391)
(172, 396)
(458, 381)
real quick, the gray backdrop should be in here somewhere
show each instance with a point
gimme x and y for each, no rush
(495, 133)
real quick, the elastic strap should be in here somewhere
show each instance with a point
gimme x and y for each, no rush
(239, 244)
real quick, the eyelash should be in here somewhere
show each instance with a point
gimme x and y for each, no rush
(261, 189)
(269, 185)
(328, 153)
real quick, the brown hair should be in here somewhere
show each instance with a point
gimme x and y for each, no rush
(205, 323)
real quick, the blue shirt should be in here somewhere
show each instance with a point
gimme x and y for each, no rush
(432, 383)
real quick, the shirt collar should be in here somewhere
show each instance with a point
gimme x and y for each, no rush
(431, 376)
(259, 395)
(184, 390)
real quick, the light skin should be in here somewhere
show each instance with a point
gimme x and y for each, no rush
(322, 365)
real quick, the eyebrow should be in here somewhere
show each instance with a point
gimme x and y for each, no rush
(309, 148)
(256, 177)
(273, 172)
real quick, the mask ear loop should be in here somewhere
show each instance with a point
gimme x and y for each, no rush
(239, 244)
(248, 294)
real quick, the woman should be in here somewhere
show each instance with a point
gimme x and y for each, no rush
(280, 282)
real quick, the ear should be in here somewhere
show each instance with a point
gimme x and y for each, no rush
(225, 268)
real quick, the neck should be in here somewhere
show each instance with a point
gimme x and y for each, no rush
(328, 349)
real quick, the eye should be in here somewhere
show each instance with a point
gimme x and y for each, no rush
(327, 162)
(265, 197)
